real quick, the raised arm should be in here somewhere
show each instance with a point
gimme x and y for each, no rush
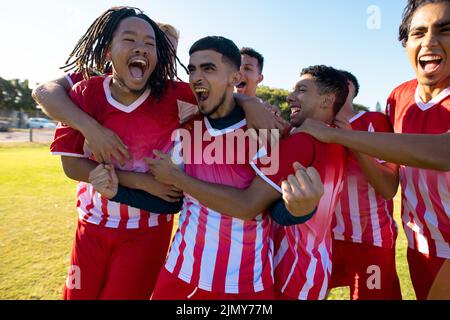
(54, 99)
(416, 150)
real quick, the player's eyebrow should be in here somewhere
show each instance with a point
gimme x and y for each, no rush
(443, 24)
(439, 24)
(208, 65)
(133, 33)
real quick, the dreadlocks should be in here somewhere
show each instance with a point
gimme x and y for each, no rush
(90, 54)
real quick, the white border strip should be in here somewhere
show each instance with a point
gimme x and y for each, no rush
(262, 176)
(68, 154)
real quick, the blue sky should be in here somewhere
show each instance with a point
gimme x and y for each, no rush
(291, 34)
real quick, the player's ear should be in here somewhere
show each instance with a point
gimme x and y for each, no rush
(328, 101)
(237, 77)
(260, 78)
(108, 54)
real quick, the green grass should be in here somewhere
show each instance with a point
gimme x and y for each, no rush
(38, 219)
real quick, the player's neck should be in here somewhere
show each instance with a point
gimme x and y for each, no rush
(225, 108)
(347, 112)
(427, 93)
(122, 94)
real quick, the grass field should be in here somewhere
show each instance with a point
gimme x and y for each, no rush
(37, 225)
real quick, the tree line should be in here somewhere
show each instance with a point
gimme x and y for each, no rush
(15, 95)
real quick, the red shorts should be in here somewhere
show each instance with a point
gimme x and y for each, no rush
(114, 264)
(368, 270)
(170, 287)
(423, 270)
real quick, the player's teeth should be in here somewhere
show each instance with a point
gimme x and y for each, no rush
(429, 58)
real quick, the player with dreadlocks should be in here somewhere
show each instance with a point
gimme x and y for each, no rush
(119, 250)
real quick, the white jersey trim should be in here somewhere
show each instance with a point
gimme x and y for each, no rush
(357, 116)
(425, 106)
(69, 79)
(116, 104)
(215, 133)
(68, 154)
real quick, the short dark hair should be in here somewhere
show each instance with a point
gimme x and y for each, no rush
(222, 45)
(408, 13)
(254, 54)
(330, 80)
(350, 77)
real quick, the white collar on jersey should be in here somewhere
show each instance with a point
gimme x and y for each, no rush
(356, 116)
(116, 104)
(215, 132)
(425, 106)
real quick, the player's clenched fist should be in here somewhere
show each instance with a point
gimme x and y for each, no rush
(302, 191)
(104, 180)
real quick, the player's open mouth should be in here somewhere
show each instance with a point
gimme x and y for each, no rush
(430, 63)
(201, 93)
(137, 67)
(241, 85)
(295, 110)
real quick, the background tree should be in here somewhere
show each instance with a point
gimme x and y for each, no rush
(16, 95)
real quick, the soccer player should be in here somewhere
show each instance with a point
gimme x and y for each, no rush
(363, 224)
(103, 143)
(419, 111)
(138, 103)
(216, 256)
(302, 252)
(252, 64)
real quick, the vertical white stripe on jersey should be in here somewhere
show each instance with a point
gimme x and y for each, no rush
(294, 265)
(114, 214)
(443, 181)
(311, 271)
(411, 205)
(134, 215)
(281, 251)
(339, 229)
(95, 218)
(174, 253)
(354, 207)
(237, 234)
(259, 245)
(430, 215)
(327, 265)
(153, 220)
(210, 250)
(190, 238)
(376, 229)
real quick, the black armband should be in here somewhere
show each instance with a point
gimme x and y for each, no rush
(146, 201)
(282, 216)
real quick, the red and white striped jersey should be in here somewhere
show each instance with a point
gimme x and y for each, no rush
(425, 193)
(145, 125)
(302, 258)
(210, 250)
(363, 215)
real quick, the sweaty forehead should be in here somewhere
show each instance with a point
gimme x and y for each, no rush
(306, 80)
(206, 56)
(247, 60)
(431, 14)
(137, 26)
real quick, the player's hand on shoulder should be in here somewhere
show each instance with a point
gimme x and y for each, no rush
(318, 129)
(104, 180)
(302, 191)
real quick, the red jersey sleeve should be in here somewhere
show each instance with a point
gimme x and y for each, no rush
(276, 167)
(390, 108)
(68, 141)
(74, 78)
